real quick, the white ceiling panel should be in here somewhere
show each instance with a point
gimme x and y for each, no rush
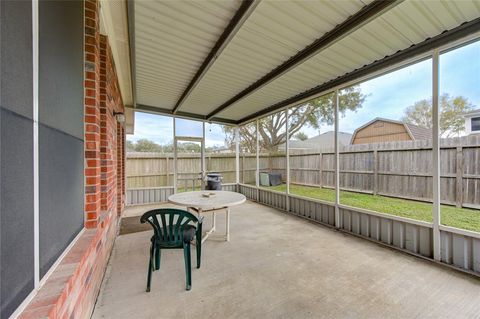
(172, 39)
(274, 32)
(410, 22)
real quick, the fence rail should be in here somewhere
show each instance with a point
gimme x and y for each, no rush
(395, 169)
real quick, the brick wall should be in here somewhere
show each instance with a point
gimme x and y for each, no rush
(73, 287)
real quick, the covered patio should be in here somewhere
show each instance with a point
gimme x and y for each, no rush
(280, 266)
(349, 129)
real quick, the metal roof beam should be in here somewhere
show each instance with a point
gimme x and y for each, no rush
(242, 14)
(456, 34)
(186, 115)
(362, 17)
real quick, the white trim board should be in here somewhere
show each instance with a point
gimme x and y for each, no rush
(36, 198)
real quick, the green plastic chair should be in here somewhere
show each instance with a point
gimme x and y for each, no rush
(172, 229)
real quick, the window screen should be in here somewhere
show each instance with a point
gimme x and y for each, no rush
(60, 127)
(476, 124)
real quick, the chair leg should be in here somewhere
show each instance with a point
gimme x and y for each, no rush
(188, 265)
(158, 254)
(150, 267)
(199, 250)
(198, 237)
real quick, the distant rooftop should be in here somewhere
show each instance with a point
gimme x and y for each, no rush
(472, 113)
(416, 132)
(322, 141)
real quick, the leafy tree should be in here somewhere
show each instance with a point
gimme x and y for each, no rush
(301, 136)
(167, 148)
(189, 147)
(130, 146)
(451, 114)
(145, 145)
(314, 113)
(419, 114)
(215, 148)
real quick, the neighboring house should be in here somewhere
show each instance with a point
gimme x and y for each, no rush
(381, 130)
(323, 141)
(472, 122)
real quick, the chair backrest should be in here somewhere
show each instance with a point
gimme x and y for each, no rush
(168, 224)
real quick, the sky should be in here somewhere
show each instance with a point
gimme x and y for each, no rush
(387, 96)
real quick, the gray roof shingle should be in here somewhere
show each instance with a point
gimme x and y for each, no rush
(418, 132)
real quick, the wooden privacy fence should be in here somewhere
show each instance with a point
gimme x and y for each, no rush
(396, 169)
(149, 170)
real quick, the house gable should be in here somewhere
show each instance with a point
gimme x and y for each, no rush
(381, 130)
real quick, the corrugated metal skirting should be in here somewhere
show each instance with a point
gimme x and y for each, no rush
(400, 234)
(272, 199)
(141, 196)
(461, 251)
(249, 191)
(319, 212)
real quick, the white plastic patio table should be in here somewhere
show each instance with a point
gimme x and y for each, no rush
(222, 200)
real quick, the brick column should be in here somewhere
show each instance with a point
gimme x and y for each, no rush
(120, 169)
(103, 135)
(111, 133)
(92, 114)
(103, 123)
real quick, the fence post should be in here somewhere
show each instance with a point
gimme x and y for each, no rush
(320, 170)
(243, 168)
(270, 163)
(459, 177)
(168, 171)
(375, 172)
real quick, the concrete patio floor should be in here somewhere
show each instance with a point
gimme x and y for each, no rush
(281, 266)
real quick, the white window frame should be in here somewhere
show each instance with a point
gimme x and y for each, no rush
(471, 124)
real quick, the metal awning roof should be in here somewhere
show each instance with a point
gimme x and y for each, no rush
(230, 61)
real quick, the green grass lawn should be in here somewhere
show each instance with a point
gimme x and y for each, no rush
(451, 216)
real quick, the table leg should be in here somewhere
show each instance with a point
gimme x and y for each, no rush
(212, 230)
(213, 220)
(227, 226)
